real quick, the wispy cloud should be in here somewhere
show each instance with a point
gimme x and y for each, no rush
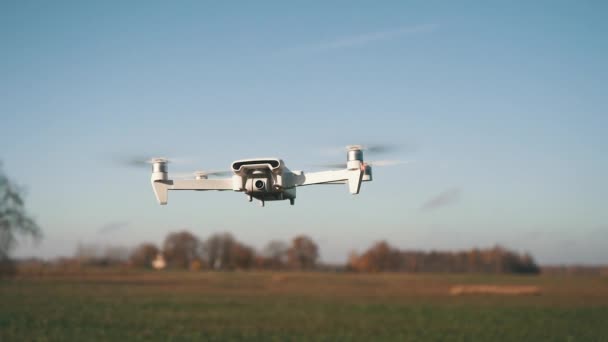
(444, 199)
(112, 226)
(363, 39)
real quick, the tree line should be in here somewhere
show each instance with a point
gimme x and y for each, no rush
(222, 251)
(382, 257)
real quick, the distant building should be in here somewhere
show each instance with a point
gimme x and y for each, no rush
(159, 262)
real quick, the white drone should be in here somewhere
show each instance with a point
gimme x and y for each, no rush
(266, 179)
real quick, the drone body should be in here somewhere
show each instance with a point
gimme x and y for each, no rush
(265, 179)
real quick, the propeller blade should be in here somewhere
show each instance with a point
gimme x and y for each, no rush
(374, 163)
(214, 173)
(138, 161)
(333, 165)
(375, 148)
(146, 161)
(388, 162)
(191, 175)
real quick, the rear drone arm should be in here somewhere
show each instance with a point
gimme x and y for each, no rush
(162, 187)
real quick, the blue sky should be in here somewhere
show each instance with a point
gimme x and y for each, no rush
(505, 104)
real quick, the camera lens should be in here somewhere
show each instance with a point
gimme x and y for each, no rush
(259, 184)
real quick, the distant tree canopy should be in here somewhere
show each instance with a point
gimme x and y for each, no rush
(222, 251)
(143, 255)
(14, 220)
(382, 257)
(181, 249)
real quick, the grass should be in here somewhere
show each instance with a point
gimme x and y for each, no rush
(180, 306)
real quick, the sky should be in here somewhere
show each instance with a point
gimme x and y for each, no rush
(500, 109)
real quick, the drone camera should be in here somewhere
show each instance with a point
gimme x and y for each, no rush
(259, 185)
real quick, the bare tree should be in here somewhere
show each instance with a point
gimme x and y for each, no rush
(95, 255)
(275, 254)
(88, 254)
(114, 255)
(143, 255)
(224, 252)
(218, 250)
(181, 249)
(14, 221)
(303, 253)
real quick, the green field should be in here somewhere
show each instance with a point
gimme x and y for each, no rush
(261, 306)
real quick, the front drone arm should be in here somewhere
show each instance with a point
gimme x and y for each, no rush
(162, 187)
(351, 176)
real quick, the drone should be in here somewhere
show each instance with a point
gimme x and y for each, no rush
(266, 179)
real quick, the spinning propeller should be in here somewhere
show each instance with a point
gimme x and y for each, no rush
(201, 174)
(375, 149)
(141, 162)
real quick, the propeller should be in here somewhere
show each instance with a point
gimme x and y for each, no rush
(201, 174)
(374, 163)
(375, 148)
(146, 161)
(387, 162)
(370, 150)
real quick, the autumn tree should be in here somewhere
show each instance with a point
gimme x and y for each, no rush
(181, 249)
(143, 255)
(303, 253)
(14, 221)
(382, 257)
(241, 257)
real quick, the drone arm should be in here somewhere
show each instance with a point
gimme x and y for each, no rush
(201, 184)
(161, 187)
(353, 177)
